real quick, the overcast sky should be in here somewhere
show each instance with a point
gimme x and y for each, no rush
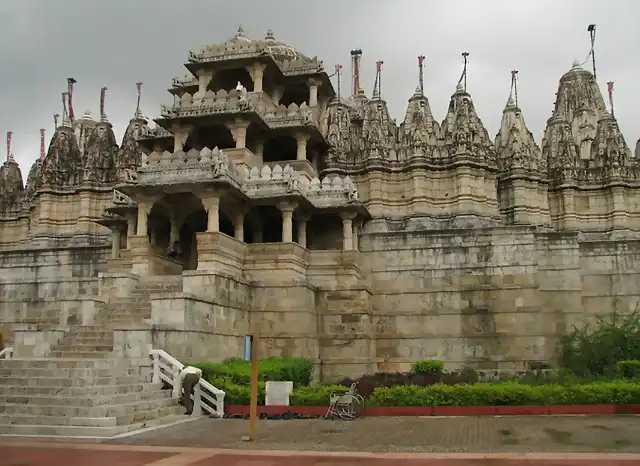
(119, 42)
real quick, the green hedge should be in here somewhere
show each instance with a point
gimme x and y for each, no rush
(510, 393)
(628, 369)
(315, 395)
(428, 366)
(297, 370)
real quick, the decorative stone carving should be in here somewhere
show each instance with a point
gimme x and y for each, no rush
(130, 154)
(11, 187)
(64, 165)
(100, 155)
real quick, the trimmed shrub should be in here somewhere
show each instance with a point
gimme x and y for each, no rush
(628, 369)
(507, 394)
(238, 371)
(428, 366)
(236, 394)
(315, 395)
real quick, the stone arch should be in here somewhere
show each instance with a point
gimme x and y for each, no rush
(280, 148)
(215, 135)
(228, 79)
(324, 231)
(295, 94)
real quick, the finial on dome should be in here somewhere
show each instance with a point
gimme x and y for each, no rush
(240, 32)
(576, 65)
(86, 115)
(510, 103)
(270, 35)
(459, 88)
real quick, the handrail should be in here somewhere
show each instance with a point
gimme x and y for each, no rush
(6, 353)
(205, 396)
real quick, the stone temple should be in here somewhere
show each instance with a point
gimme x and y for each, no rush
(315, 221)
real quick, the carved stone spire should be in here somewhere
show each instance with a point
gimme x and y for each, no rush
(63, 165)
(34, 180)
(83, 129)
(379, 131)
(464, 135)
(579, 116)
(101, 154)
(609, 150)
(419, 132)
(338, 131)
(130, 154)
(515, 146)
(11, 186)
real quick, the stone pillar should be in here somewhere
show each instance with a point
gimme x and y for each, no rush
(347, 230)
(239, 226)
(259, 150)
(180, 137)
(257, 73)
(287, 221)
(204, 79)
(175, 229)
(301, 139)
(239, 132)
(356, 232)
(276, 95)
(115, 243)
(313, 92)
(302, 231)
(143, 217)
(131, 224)
(212, 204)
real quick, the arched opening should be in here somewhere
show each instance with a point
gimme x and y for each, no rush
(280, 148)
(271, 219)
(324, 231)
(211, 136)
(195, 222)
(159, 229)
(228, 79)
(295, 94)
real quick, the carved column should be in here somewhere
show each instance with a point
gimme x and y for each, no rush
(143, 217)
(239, 226)
(180, 136)
(356, 231)
(302, 230)
(259, 152)
(276, 95)
(287, 221)
(131, 224)
(257, 73)
(347, 230)
(212, 204)
(313, 92)
(175, 228)
(204, 79)
(301, 139)
(239, 132)
(115, 243)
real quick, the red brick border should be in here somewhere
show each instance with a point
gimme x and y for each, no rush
(448, 410)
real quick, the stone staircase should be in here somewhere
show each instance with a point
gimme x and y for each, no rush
(81, 389)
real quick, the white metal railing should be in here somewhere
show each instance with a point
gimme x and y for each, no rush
(206, 397)
(6, 353)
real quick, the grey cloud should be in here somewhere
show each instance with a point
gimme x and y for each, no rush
(118, 43)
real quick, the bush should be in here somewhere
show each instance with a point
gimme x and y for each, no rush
(628, 369)
(595, 349)
(427, 366)
(236, 394)
(315, 395)
(238, 371)
(507, 394)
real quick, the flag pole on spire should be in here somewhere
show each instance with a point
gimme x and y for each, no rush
(421, 73)
(55, 120)
(103, 92)
(9, 136)
(70, 83)
(139, 88)
(610, 91)
(42, 151)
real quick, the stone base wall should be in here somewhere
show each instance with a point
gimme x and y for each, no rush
(492, 298)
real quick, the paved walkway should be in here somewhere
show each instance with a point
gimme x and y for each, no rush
(507, 441)
(410, 434)
(67, 454)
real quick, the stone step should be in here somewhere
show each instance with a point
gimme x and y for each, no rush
(85, 340)
(74, 382)
(128, 416)
(51, 363)
(150, 392)
(60, 347)
(105, 410)
(80, 354)
(83, 372)
(89, 390)
(78, 431)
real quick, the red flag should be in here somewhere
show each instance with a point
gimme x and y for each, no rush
(338, 68)
(421, 60)
(139, 88)
(379, 65)
(65, 113)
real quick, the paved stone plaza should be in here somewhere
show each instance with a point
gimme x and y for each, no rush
(575, 440)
